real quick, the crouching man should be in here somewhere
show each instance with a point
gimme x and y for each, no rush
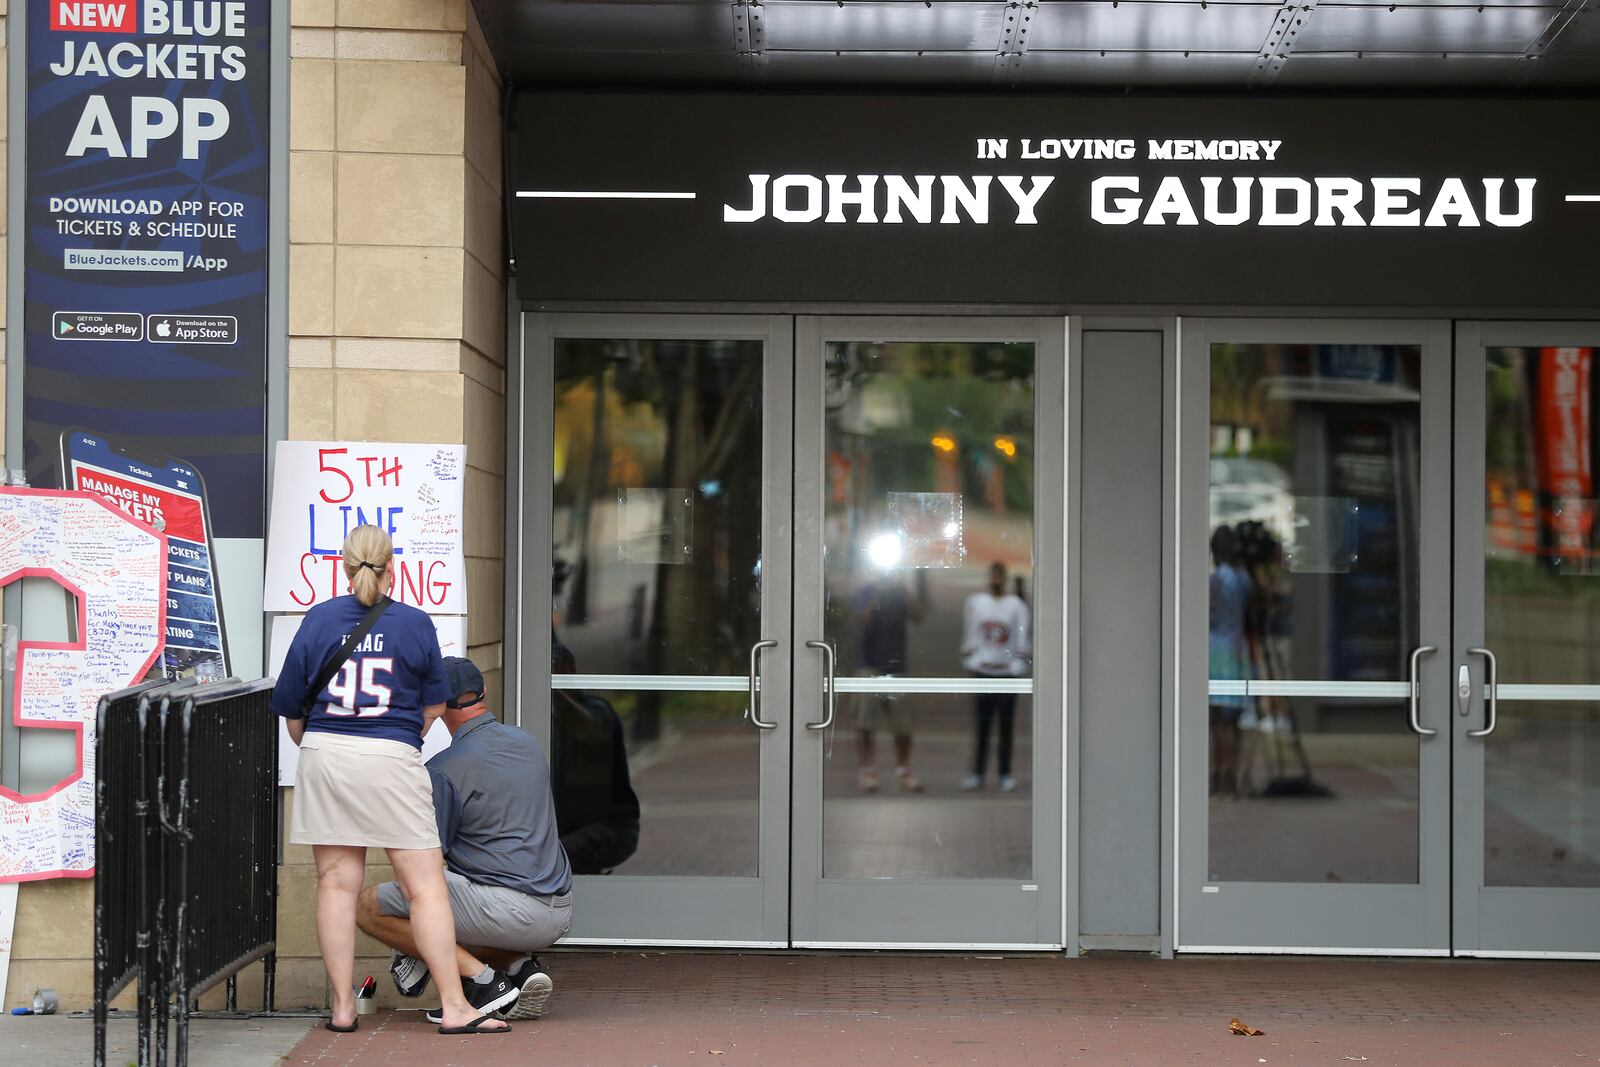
(509, 880)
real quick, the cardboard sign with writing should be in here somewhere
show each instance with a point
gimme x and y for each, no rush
(8, 922)
(321, 490)
(114, 568)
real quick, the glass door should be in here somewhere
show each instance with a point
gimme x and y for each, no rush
(656, 501)
(1313, 790)
(926, 724)
(1526, 724)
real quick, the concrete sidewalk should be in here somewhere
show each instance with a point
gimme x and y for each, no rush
(721, 1010)
(68, 1041)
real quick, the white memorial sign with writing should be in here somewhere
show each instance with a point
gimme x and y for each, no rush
(7, 927)
(8, 924)
(115, 569)
(323, 489)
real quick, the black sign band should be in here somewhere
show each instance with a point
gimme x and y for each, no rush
(702, 197)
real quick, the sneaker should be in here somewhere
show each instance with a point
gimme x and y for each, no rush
(909, 783)
(533, 989)
(410, 975)
(487, 998)
(867, 779)
(971, 783)
(1008, 784)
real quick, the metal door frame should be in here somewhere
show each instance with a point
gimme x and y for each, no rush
(1502, 921)
(1288, 917)
(662, 909)
(859, 913)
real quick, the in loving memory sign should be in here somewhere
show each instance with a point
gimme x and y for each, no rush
(321, 490)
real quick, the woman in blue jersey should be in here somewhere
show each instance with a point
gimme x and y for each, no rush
(361, 782)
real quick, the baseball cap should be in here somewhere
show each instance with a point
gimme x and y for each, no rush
(462, 676)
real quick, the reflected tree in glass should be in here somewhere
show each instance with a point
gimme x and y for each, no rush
(659, 415)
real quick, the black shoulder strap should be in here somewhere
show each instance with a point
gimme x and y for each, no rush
(336, 661)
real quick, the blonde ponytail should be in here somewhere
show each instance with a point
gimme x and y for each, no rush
(368, 554)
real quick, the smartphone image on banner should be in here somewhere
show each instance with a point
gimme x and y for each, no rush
(168, 494)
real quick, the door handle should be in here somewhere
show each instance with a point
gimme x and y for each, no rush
(827, 667)
(1494, 691)
(753, 712)
(1416, 723)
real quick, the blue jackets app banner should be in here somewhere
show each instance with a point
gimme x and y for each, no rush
(146, 280)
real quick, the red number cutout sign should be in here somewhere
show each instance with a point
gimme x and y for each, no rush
(115, 568)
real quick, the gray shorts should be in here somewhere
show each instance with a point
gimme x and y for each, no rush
(883, 711)
(491, 916)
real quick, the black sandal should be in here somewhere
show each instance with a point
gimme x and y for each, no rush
(476, 1027)
(355, 1025)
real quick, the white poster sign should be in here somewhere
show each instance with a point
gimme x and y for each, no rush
(8, 924)
(321, 490)
(116, 569)
(452, 642)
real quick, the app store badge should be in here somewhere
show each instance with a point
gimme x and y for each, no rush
(193, 329)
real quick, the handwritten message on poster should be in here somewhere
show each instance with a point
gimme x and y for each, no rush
(8, 923)
(322, 490)
(452, 642)
(116, 570)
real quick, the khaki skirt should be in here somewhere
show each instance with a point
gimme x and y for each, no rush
(362, 791)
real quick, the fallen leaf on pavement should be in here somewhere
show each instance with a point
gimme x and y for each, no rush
(1240, 1029)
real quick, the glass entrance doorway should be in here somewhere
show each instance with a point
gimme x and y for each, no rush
(1379, 512)
(793, 694)
(1527, 770)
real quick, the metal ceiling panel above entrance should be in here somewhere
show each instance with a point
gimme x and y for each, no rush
(1362, 45)
(1014, 41)
(1281, 39)
(750, 40)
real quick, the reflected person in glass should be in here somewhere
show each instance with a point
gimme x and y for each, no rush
(1265, 729)
(1229, 655)
(884, 606)
(597, 811)
(994, 644)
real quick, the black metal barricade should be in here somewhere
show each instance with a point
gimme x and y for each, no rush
(221, 744)
(187, 839)
(123, 832)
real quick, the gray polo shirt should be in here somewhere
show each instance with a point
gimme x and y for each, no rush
(497, 822)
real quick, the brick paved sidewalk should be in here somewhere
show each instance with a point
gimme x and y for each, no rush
(723, 1010)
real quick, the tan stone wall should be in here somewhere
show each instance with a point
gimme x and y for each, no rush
(397, 333)
(397, 308)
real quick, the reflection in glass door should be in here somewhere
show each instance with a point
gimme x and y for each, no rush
(926, 783)
(1527, 732)
(668, 586)
(831, 691)
(1313, 793)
